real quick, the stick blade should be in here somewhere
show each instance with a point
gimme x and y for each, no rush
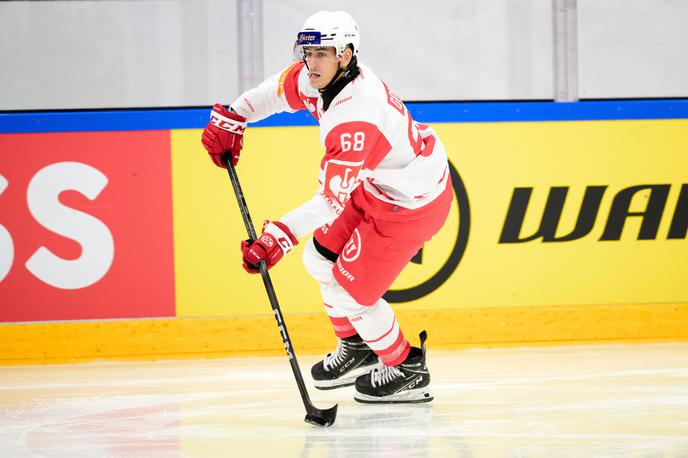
(323, 418)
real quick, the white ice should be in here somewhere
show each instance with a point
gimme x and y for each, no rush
(578, 401)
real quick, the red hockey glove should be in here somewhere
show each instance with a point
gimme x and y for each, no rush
(275, 241)
(224, 134)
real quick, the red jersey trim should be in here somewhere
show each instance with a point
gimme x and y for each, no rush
(289, 85)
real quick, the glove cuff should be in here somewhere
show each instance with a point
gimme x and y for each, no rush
(226, 120)
(285, 239)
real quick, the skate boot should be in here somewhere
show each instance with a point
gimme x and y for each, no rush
(352, 358)
(407, 382)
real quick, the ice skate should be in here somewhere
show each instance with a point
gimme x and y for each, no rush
(407, 382)
(352, 358)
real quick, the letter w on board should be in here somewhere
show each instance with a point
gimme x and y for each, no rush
(589, 209)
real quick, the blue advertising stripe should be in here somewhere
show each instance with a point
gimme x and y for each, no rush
(549, 111)
(138, 119)
(428, 112)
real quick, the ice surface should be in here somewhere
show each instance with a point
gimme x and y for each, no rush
(597, 400)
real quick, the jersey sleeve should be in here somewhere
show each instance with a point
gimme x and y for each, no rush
(309, 216)
(352, 150)
(284, 91)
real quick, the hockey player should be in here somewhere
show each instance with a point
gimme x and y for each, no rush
(384, 189)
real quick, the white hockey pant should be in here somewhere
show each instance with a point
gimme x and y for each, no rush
(376, 324)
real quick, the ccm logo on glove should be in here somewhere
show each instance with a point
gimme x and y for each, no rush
(224, 134)
(225, 123)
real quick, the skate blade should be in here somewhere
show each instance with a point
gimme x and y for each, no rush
(405, 397)
(348, 380)
(321, 385)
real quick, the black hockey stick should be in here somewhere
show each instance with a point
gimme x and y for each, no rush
(314, 415)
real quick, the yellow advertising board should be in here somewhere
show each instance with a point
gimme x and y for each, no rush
(546, 214)
(561, 231)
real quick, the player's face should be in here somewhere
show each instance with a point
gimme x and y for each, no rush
(322, 65)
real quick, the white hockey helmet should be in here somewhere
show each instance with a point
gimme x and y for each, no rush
(329, 28)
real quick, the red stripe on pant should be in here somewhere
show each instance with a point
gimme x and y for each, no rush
(396, 353)
(394, 321)
(342, 327)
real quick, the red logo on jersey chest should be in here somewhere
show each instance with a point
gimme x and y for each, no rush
(340, 179)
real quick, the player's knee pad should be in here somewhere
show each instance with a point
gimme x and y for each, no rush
(338, 298)
(316, 264)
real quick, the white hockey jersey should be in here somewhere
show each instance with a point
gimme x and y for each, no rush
(369, 139)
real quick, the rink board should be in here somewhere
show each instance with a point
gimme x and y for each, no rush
(569, 224)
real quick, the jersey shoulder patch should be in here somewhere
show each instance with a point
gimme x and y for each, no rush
(292, 71)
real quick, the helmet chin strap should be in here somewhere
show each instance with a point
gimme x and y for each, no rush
(340, 79)
(336, 76)
(346, 73)
(340, 72)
